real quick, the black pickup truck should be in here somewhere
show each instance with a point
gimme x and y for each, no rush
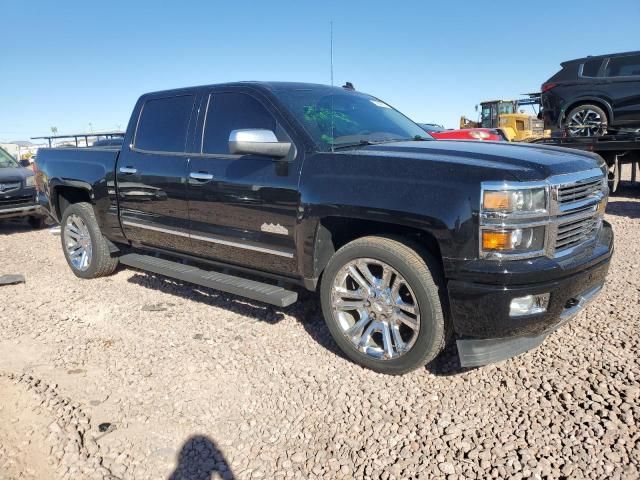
(252, 188)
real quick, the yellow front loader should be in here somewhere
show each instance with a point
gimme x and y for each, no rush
(503, 114)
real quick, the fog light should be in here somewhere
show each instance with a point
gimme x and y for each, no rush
(529, 305)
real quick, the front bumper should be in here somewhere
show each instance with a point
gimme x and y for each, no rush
(477, 352)
(20, 203)
(23, 210)
(480, 311)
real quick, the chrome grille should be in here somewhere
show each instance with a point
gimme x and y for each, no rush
(13, 201)
(577, 208)
(579, 190)
(576, 232)
(9, 186)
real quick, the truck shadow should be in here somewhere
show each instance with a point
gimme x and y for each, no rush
(624, 208)
(18, 225)
(306, 311)
(447, 364)
(200, 458)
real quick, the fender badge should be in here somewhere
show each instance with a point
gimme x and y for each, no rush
(271, 228)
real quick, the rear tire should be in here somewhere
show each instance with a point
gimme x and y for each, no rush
(391, 322)
(586, 121)
(84, 246)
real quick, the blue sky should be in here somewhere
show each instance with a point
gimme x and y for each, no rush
(71, 63)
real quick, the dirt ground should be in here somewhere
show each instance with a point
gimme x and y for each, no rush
(135, 376)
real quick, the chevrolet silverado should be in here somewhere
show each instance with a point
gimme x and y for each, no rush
(253, 188)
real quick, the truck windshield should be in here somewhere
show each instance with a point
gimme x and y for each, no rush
(338, 118)
(6, 160)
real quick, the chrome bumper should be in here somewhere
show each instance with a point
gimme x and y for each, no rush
(32, 209)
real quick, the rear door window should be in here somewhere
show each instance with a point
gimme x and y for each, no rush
(590, 68)
(232, 111)
(164, 123)
(627, 66)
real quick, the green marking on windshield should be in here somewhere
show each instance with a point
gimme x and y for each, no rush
(322, 118)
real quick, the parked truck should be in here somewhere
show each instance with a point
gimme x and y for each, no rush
(17, 192)
(259, 189)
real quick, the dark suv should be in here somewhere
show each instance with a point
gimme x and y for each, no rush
(593, 95)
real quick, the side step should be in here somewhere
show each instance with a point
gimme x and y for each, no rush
(262, 292)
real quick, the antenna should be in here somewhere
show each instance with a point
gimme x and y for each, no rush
(332, 125)
(331, 28)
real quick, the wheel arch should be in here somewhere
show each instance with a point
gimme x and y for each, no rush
(64, 195)
(333, 232)
(597, 101)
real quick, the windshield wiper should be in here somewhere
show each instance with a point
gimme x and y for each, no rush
(364, 142)
(417, 138)
(361, 143)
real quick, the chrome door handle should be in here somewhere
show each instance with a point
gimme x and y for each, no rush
(201, 176)
(128, 170)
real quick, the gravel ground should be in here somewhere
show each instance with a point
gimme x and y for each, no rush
(135, 376)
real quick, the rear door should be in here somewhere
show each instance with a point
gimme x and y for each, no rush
(242, 207)
(623, 74)
(152, 173)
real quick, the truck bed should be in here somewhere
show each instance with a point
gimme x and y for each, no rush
(64, 167)
(58, 160)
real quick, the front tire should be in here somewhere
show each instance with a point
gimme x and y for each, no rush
(383, 304)
(586, 121)
(84, 246)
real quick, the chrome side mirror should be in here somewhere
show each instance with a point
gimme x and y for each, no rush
(256, 141)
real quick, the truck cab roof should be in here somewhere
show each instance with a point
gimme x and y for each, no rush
(263, 85)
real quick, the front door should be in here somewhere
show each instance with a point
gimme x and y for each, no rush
(152, 175)
(242, 207)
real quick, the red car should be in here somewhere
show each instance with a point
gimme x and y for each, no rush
(441, 133)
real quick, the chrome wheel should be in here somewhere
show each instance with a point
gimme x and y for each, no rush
(375, 308)
(586, 123)
(77, 242)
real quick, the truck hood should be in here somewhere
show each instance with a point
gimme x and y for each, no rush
(14, 174)
(519, 161)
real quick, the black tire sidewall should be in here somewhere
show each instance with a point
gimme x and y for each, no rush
(429, 341)
(81, 210)
(587, 106)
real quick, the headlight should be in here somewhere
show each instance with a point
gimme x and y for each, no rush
(513, 220)
(514, 201)
(513, 240)
(31, 181)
